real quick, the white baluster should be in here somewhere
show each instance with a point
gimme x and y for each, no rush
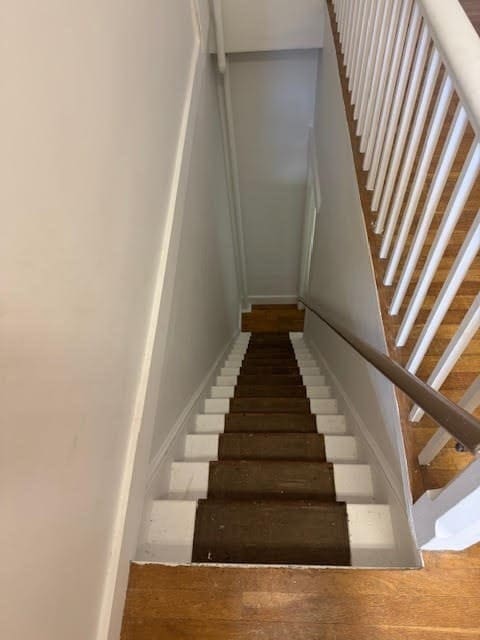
(470, 402)
(454, 209)
(433, 135)
(402, 133)
(351, 39)
(356, 45)
(433, 198)
(360, 51)
(458, 272)
(382, 116)
(380, 13)
(367, 46)
(346, 24)
(341, 28)
(411, 152)
(382, 153)
(457, 345)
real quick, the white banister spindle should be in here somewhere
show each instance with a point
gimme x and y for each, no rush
(465, 257)
(381, 12)
(351, 39)
(410, 153)
(341, 33)
(426, 155)
(360, 51)
(382, 111)
(355, 43)
(383, 150)
(442, 172)
(345, 24)
(451, 216)
(402, 133)
(457, 345)
(364, 71)
(470, 402)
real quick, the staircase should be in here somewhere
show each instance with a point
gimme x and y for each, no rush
(270, 474)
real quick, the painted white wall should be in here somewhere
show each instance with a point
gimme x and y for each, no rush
(271, 25)
(205, 309)
(97, 122)
(342, 278)
(273, 96)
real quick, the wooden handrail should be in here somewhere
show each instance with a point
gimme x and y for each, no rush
(461, 425)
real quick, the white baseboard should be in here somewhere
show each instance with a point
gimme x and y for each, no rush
(186, 418)
(287, 299)
(400, 505)
(359, 422)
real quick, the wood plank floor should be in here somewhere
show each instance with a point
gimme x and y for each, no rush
(440, 602)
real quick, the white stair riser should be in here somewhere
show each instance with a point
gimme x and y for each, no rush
(215, 423)
(229, 392)
(308, 381)
(189, 481)
(201, 447)
(317, 406)
(172, 525)
(236, 360)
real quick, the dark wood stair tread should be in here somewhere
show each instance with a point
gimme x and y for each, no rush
(257, 354)
(269, 370)
(271, 446)
(269, 405)
(271, 479)
(270, 423)
(270, 362)
(271, 532)
(269, 391)
(270, 380)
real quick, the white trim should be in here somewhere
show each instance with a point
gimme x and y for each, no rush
(186, 418)
(362, 427)
(283, 299)
(126, 524)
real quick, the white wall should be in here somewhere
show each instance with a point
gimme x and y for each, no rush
(342, 278)
(273, 97)
(271, 25)
(99, 103)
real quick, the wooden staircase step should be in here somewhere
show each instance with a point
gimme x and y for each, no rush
(271, 532)
(269, 405)
(263, 354)
(269, 391)
(269, 362)
(276, 307)
(255, 369)
(271, 479)
(266, 320)
(272, 446)
(269, 380)
(270, 339)
(271, 423)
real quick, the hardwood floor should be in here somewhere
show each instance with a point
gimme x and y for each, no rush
(449, 462)
(273, 318)
(440, 602)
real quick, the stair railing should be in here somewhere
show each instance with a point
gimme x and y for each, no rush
(413, 66)
(460, 424)
(447, 518)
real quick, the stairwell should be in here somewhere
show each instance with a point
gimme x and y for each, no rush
(270, 474)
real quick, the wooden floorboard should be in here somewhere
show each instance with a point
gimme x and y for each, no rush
(440, 602)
